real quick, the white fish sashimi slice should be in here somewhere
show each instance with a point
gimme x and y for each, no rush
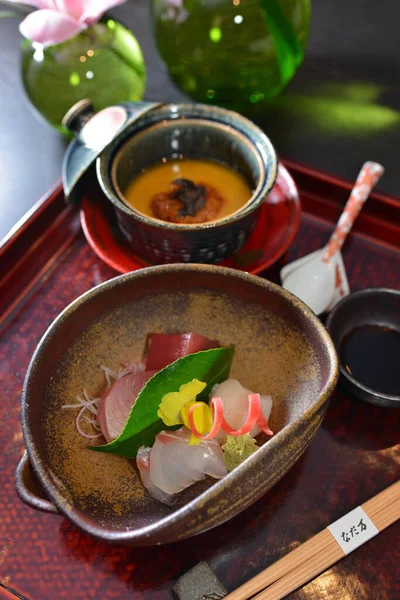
(143, 464)
(235, 399)
(174, 465)
(266, 405)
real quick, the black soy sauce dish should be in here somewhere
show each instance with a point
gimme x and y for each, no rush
(365, 328)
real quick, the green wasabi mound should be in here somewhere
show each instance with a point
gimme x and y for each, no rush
(237, 449)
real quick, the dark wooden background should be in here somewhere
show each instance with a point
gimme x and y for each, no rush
(342, 107)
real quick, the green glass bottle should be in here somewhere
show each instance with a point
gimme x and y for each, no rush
(103, 63)
(234, 53)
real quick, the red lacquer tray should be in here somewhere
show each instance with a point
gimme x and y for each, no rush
(44, 264)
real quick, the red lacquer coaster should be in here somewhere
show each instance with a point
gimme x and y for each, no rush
(276, 228)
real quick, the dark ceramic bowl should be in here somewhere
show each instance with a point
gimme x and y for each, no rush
(281, 349)
(191, 131)
(373, 306)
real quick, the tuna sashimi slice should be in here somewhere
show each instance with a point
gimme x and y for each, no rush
(174, 465)
(166, 348)
(117, 401)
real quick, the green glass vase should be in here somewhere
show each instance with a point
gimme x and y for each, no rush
(235, 53)
(103, 63)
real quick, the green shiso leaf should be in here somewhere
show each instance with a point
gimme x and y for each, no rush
(143, 424)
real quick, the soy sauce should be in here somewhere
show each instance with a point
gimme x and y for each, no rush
(372, 355)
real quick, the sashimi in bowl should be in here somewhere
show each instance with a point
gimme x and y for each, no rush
(179, 428)
(269, 344)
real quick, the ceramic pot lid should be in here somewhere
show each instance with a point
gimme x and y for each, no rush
(94, 132)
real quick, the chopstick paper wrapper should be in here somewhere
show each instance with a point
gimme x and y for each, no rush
(353, 530)
(317, 554)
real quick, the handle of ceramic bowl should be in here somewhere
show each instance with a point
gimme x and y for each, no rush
(29, 488)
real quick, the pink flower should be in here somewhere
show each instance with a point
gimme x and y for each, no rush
(59, 20)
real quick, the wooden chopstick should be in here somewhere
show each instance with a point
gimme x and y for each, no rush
(316, 555)
(319, 563)
(320, 542)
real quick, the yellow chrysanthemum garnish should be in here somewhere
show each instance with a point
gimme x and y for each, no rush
(172, 403)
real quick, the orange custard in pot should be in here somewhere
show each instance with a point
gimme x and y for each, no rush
(188, 191)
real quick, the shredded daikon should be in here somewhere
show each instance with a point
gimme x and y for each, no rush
(135, 368)
(85, 402)
(89, 406)
(79, 417)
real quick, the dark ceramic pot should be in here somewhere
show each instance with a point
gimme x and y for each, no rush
(196, 131)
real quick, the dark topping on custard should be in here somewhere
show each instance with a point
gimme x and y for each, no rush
(192, 196)
(187, 202)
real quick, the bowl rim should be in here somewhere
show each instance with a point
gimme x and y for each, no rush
(141, 534)
(207, 123)
(390, 399)
(260, 142)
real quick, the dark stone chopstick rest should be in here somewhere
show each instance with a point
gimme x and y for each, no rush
(200, 583)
